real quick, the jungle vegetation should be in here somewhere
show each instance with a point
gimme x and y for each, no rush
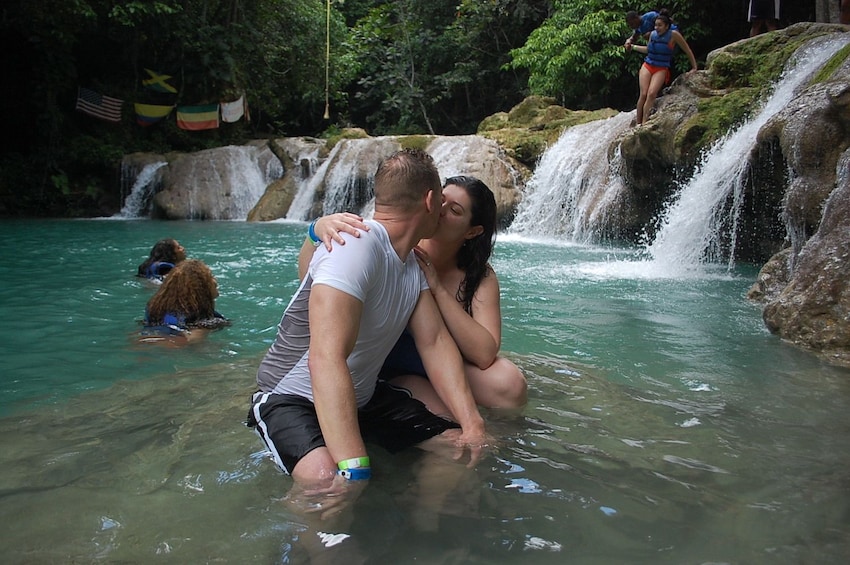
(399, 67)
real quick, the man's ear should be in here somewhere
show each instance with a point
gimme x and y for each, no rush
(429, 201)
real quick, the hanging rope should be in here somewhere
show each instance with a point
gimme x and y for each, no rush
(327, 61)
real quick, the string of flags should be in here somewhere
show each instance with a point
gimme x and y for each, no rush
(192, 118)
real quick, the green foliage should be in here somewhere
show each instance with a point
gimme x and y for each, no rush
(570, 58)
(437, 66)
(136, 12)
(415, 141)
(577, 54)
(404, 67)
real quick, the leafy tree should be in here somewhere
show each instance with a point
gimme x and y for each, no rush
(577, 54)
(437, 66)
(55, 160)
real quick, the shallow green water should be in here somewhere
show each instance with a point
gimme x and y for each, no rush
(664, 425)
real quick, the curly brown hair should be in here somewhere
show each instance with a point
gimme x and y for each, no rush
(188, 292)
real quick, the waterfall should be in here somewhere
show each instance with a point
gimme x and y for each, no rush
(574, 184)
(233, 178)
(702, 219)
(308, 180)
(137, 203)
(217, 184)
(345, 180)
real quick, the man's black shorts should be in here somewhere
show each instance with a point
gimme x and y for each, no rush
(392, 419)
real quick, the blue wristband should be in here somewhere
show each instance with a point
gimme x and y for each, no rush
(356, 474)
(311, 233)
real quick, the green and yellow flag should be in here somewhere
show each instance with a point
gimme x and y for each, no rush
(148, 114)
(158, 82)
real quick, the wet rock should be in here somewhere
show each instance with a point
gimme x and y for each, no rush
(813, 310)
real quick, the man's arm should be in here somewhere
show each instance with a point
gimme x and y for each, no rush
(444, 366)
(334, 324)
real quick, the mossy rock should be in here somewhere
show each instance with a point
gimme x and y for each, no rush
(522, 144)
(826, 72)
(346, 133)
(530, 112)
(758, 62)
(715, 117)
(741, 74)
(534, 124)
(415, 141)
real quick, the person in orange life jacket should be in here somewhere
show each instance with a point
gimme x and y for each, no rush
(655, 71)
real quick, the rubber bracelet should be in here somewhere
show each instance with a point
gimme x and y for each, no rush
(311, 233)
(355, 463)
(361, 474)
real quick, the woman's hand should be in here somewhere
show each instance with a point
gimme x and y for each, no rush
(424, 261)
(328, 228)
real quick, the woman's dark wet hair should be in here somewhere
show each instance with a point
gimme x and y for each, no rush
(164, 250)
(474, 256)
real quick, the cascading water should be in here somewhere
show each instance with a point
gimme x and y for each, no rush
(137, 203)
(345, 181)
(232, 176)
(346, 178)
(574, 184)
(706, 209)
(217, 184)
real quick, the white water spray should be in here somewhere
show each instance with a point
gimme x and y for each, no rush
(575, 184)
(138, 201)
(706, 209)
(233, 177)
(345, 178)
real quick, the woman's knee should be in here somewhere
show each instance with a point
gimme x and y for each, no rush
(502, 385)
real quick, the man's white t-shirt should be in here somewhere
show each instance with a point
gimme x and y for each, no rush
(368, 269)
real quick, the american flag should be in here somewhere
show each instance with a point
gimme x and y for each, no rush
(95, 104)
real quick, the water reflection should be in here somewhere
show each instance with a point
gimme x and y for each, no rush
(590, 472)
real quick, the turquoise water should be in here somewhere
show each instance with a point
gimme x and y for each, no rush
(664, 425)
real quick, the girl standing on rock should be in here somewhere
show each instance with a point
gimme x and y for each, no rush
(655, 71)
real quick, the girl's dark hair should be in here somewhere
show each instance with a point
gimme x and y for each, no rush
(164, 250)
(665, 15)
(475, 253)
